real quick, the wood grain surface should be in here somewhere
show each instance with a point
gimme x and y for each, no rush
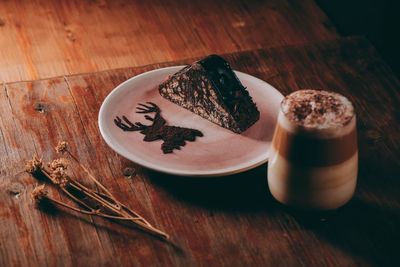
(43, 38)
(230, 221)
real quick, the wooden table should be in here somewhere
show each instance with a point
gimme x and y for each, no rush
(41, 39)
(230, 221)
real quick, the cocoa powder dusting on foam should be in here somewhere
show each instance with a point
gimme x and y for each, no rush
(317, 108)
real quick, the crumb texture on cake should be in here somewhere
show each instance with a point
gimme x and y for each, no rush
(317, 109)
(209, 88)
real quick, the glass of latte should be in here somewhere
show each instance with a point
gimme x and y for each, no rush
(314, 156)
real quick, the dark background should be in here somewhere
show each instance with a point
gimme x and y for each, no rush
(378, 20)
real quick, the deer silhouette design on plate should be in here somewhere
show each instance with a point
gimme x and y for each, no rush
(173, 137)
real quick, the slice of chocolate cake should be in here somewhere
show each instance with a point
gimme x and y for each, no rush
(211, 89)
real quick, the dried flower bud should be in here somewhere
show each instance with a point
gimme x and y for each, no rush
(59, 176)
(62, 147)
(59, 163)
(34, 165)
(58, 171)
(39, 193)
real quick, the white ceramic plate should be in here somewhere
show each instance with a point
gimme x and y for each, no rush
(219, 152)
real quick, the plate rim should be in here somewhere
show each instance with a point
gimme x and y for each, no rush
(148, 164)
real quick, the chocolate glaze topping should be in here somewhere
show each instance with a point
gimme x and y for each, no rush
(211, 89)
(223, 78)
(228, 86)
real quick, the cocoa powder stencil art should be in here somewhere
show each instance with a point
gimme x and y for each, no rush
(173, 137)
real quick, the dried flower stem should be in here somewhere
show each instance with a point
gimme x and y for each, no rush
(141, 224)
(93, 178)
(89, 193)
(111, 208)
(91, 212)
(131, 212)
(76, 199)
(127, 214)
(83, 189)
(146, 224)
(69, 206)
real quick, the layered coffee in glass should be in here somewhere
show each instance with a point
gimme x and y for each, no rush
(314, 157)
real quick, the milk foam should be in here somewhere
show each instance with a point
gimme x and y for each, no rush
(317, 109)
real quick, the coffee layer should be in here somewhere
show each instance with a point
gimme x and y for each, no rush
(312, 187)
(306, 150)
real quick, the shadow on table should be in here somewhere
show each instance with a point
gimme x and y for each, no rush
(366, 230)
(368, 227)
(362, 229)
(247, 191)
